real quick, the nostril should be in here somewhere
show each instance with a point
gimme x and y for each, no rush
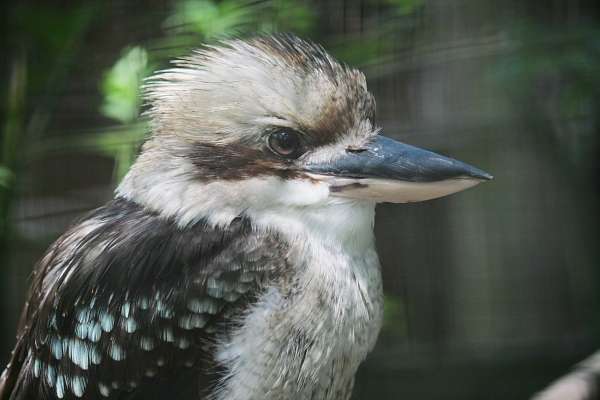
(352, 149)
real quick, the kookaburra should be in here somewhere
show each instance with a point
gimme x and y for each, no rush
(237, 258)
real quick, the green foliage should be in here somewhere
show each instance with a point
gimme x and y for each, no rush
(208, 18)
(367, 49)
(542, 54)
(6, 177)
(121, 85)
(118, 143)
(394, 317)
(405, 7)
(553, 75)
(286, 15)
(378, 42)
(212, 20)
(121, 92)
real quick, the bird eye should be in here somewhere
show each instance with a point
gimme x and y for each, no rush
(285, 143)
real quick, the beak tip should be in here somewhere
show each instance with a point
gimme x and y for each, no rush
(476, 173)
(484, 176)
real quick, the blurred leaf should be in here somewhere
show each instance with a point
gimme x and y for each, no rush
(120, 144)
(287, 15)
(363, 50)
(394, 316)
(211, 20)
(208, 18)
(6, 177)
(121, 84)
(405, 7)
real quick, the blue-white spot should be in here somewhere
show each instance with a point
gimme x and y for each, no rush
(166, 334)
(94, 332)
(50, 375)
(60, 386)
(210, 329)
(116, 352)
(164, 310)
(81, 330)
(65, 345)
(126, 309)
(96, 357)
(84, 315)
(216, 292)
(198, 321)
(185, 322)
(192, 321)
(52, 323)
(79, 353)
(242, 288)
(147, 343)
(211, 282)
(37, 367)
(56, 348)
(202, 306)
(107, 322)
(103, 389)
(183, 343)
(246, 277)
(78, 385)
(231, 296)
(144, 304)
(150, 373)
(130, 325)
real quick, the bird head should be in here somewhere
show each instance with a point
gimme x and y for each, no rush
(274, 122)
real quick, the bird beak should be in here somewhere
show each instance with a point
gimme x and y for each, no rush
(385, 170)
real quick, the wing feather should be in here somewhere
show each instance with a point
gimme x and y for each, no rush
(127, 305)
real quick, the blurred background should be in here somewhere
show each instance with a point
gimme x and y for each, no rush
(491, 293)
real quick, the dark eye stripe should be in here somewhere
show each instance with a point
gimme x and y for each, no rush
(236, 161)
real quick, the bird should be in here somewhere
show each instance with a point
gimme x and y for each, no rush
(237, 258)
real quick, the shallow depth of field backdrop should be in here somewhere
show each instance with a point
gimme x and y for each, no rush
(491, 293)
